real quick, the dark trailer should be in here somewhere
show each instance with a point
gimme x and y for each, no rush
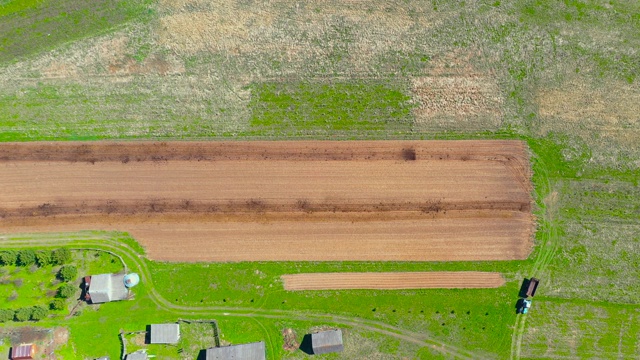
(533, 286)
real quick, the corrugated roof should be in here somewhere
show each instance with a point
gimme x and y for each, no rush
(252, 351)
(138, 355)
(165, 333)
(327, 342)
(22, 351)
(100, 288)
(107, 287)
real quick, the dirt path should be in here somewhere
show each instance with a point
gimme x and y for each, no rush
(393, 280)
(247, 201)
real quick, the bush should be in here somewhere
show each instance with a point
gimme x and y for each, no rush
(66, 291)
(23, 314)
(68, 273)
(60, 256)
(8, 257)
(39, 312)
(26, 257)
(6, 315)
(43, 258)
(57, 304)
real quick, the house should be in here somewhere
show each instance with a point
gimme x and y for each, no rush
(251, 351)
(105, 288)
(138, 355)
(164, 333)
(327, 342)
(24, 351)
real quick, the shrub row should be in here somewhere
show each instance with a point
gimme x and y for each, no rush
(29, 257)
(34, 313)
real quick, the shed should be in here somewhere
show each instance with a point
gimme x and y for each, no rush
(138, 355)
(104, 358)
(24, 351)
(164, 334)
(106, 287)
(251, 351)
(327, 342)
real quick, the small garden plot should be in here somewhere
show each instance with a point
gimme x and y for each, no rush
(194, 337)
(36, 284)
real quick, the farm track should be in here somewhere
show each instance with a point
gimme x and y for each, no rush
(129, 257)
(272, 201)
(393, 280)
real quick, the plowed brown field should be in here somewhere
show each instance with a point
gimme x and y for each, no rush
(393, 280)
(234, 201)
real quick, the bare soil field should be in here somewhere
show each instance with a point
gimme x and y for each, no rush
(393, 280)
(242, 201)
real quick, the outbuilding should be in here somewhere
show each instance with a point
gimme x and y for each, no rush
(105, 288)
(251, 351)
(24, 351)
(138, 355)
(325, 342)
(164, 333)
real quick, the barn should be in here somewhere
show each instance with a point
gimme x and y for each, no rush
(325, 342)
(251, 351)
(105, 288)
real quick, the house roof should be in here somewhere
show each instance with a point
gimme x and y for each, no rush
(252, 351)
(138, 355)
(107, 287)
(24, 351)
(164, 333)
(327, 342)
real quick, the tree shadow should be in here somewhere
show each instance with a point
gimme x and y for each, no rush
(306, 346)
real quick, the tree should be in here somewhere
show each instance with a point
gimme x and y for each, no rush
(60, 256)
(8, 257)
(57, 304)
(66, 291)
(26, 257)
(67, 273)
(39, 312)
(43, 258)
(6, 315)
(23, 314)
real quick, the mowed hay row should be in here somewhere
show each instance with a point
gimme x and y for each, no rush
(393, 280)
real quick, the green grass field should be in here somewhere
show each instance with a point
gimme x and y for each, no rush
(561, 75)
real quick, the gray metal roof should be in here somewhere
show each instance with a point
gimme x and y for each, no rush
(327, 342)
(138, 355)
(104, 358)
(107, 287)
(165, 333)
(252, 351)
